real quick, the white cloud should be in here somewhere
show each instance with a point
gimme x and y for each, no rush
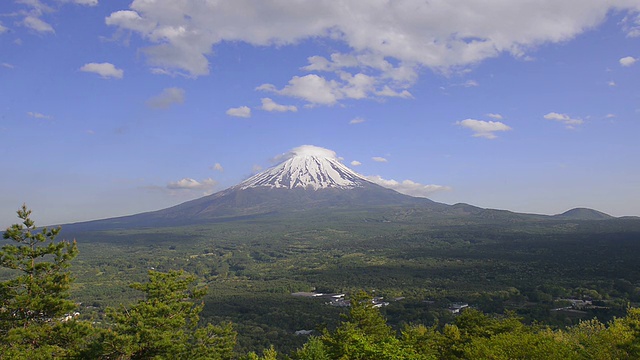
(631, 24)
(319, 90)
(408, 187)
(270, 105)
(7, 65)
(312, 88)
(38, 115)
(389, 92)
(242, 111)
(495, 116)
(610, 116)
(3, 29)
(611, 83)
(357, 120)
(167, 97)
(37, 24)
(379, 159)
(389, 42)
(628, 61)
(484, 129)
(412, 32)
(36, 9)
(205, 185)
(564, 118)
(106, 70)
(470, 83)
(131, 20)
(356, 163)
(85, 2)
(217, 167)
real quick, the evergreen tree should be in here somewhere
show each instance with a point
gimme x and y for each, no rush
(165, 324)
(34, 304)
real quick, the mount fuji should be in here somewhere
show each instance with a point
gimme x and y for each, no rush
(309, 180)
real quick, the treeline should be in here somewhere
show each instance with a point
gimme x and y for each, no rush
(38, 321)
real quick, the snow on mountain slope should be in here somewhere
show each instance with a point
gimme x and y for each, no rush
(308, 167)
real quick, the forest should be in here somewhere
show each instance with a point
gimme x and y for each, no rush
(224, 291)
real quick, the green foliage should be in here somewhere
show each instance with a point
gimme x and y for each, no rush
(165, 324)
(314, 349)
(267, 354)
(363, 334)
(34, 307)
(39, 292)
(520, 345)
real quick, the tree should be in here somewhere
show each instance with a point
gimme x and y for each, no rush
(164, 325)
(364, 334)
(35, 301)
(39, 293)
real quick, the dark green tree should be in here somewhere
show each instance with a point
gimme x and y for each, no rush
(164, 325)
(34, 304)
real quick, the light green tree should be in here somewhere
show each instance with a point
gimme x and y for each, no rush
(164, 325)
(364, 334)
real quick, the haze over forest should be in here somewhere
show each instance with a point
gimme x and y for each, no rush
(110, 108)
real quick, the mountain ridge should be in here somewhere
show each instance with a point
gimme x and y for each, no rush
(312, 180)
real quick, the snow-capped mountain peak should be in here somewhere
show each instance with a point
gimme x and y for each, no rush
(308, 167)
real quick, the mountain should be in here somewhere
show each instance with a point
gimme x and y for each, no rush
(309, 178)
(310, 182)
(310, 167)
(583, 214)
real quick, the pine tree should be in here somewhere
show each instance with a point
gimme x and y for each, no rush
(34, 303)
(165, 324)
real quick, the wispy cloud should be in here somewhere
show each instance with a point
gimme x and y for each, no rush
(83, 2)
(471, 83)
(192, 184)
(356, 163)
(217, 167)
(37, 115)
(37, 24)
(565, 119)
(379, 159)
(105, 70)
(483, 129)
(495, 116)
(242, 111)
(357, 120)
(408, 187)
(167, 98)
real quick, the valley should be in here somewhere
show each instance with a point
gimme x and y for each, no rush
(252, 266)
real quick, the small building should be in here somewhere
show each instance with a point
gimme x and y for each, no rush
(455, 308)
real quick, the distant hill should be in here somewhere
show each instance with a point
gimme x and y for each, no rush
(582, 214)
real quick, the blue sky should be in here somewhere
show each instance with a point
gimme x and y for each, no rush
(110, 108)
